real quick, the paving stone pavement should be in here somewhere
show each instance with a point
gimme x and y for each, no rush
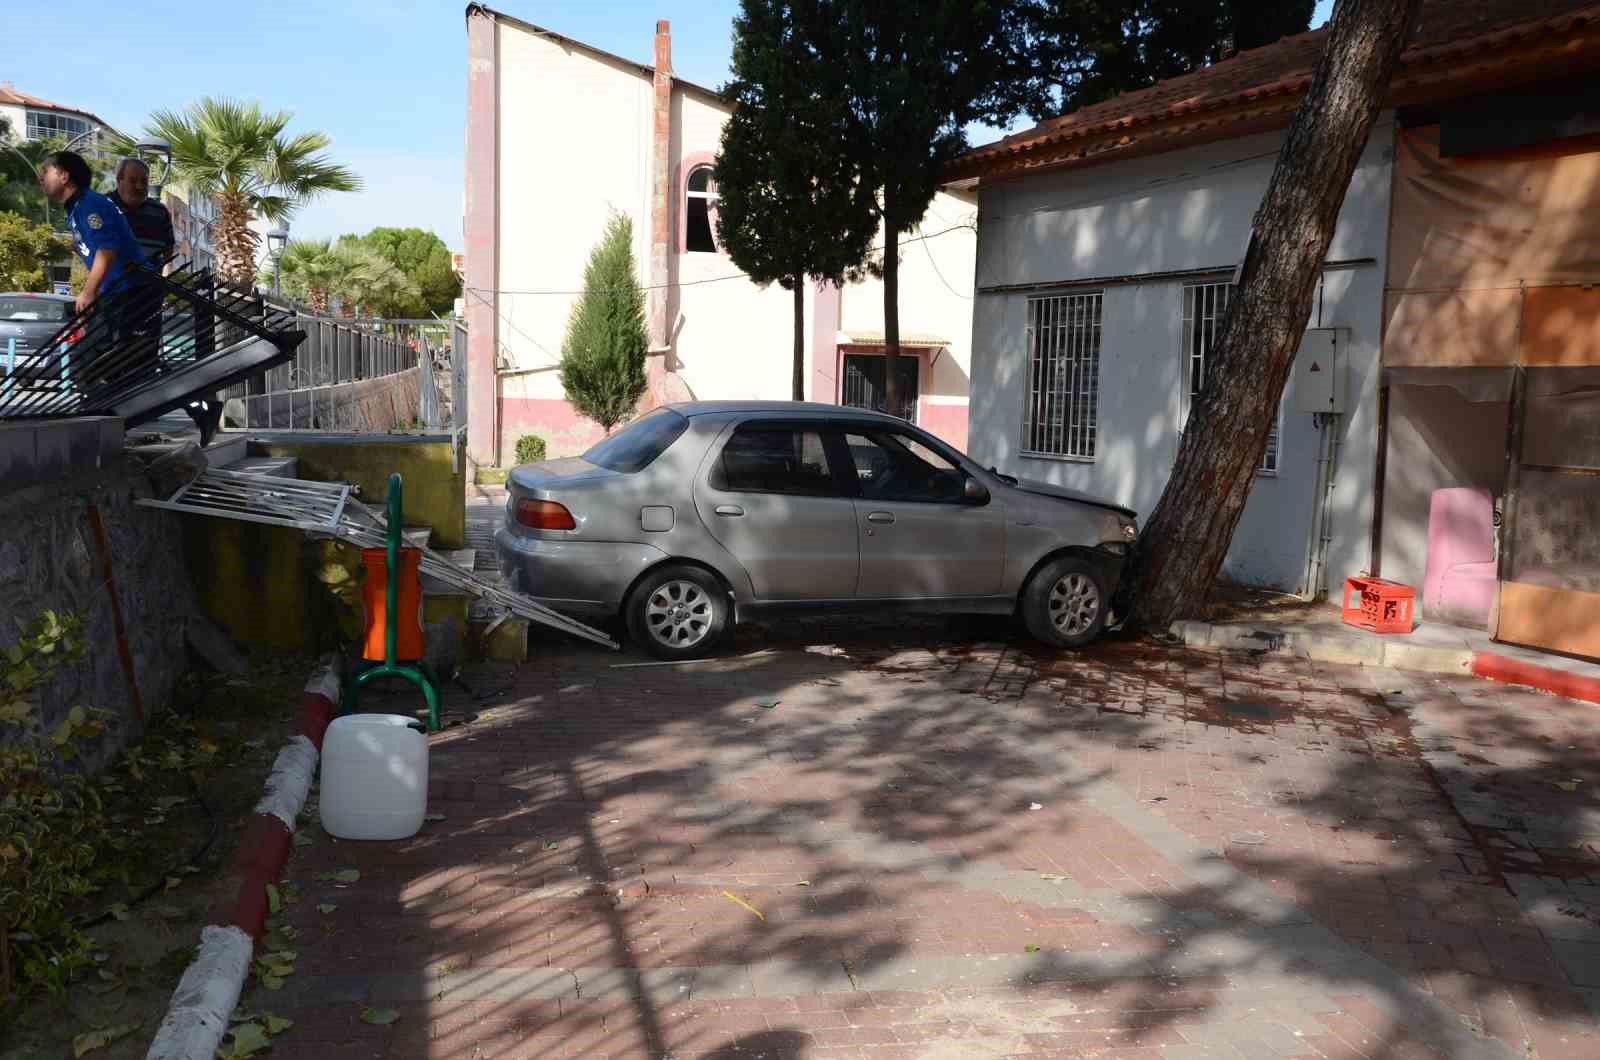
(944, 842)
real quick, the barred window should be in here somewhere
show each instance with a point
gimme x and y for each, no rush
(1204, 305)
(1063, 393)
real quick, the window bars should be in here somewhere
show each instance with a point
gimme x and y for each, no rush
(155, 346)
(1061, 416)
(1204, 307)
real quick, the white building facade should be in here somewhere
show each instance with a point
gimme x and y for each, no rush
(1100, 293)
(560, 135)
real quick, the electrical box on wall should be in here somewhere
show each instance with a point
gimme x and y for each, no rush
(1319, 370)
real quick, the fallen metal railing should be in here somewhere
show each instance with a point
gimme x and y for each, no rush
(327, 509)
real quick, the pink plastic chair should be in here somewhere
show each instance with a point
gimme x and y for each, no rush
(1459, 584)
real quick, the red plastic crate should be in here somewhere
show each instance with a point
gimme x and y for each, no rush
(1381, 606)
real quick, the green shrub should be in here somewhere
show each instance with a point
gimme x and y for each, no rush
(530, 449)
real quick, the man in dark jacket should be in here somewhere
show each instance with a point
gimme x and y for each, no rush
(149, 219)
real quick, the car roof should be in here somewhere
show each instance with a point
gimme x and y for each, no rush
(692, 409)
(36, 294)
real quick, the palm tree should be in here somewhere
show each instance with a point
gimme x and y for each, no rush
(310, 266)
(239, 155)
(367, 281)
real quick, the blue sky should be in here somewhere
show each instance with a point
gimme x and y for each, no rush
(385, 78)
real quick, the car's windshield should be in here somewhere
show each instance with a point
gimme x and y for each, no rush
(636, 445)
(29, 309)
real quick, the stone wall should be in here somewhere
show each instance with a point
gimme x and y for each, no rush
(51, 559)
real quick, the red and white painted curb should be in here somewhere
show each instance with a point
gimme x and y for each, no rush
(197, 1017)
(1494, 667)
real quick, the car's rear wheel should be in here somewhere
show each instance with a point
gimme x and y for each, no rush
(678, 612)
(1065, 603)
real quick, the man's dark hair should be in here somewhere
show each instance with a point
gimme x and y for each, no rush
(72, 164)
(130, 161)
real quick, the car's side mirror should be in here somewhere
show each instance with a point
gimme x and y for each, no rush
(974, 492)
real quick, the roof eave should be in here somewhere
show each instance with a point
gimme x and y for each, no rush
(1428, 75)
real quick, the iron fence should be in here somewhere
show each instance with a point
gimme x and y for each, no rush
(309, 392)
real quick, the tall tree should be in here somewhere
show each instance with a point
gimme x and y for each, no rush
(789, 206)
(602, 357)
(1080, 52)
(241, 156)
(425, 260)
(913, 76)
(1188, 534)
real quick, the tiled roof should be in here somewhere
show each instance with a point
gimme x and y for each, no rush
(1446, 30)
(9, 96)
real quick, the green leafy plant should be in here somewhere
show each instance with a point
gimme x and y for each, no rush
(602, 359)
(49, 813)
(530, 449)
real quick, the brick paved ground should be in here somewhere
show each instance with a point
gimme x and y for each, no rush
(941, 843)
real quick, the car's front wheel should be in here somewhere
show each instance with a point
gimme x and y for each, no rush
(1065, 603)
(678, 612)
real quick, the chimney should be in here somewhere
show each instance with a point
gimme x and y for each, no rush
(661, 187)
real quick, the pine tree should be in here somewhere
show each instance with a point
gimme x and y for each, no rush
(1187, 537)
(602, 357)
(789, 205)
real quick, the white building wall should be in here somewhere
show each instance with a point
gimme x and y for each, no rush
(574, 144)
(1179, 211)
(731, 340)
(16, 117)
(937, 263)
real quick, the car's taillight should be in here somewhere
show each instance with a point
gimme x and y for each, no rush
(77, 334)
(544, 515)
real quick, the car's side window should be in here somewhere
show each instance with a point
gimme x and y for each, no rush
(891, 466)
(761, 459)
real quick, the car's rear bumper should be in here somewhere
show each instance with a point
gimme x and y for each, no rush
(579, 577)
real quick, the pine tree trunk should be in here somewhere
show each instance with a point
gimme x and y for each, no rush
(1184, 543)
(799, 338)
(891, 308)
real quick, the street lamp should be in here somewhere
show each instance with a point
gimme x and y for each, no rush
(277, 239)
(162, 151)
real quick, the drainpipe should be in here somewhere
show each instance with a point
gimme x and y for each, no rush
(1322, 518)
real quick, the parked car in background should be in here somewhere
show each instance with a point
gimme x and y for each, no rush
(28, 320)
(696, 516)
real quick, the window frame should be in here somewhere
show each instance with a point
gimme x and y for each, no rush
(842, 432)
(1203, 291)
(1080, 343)
(710, 197)
(717, 473)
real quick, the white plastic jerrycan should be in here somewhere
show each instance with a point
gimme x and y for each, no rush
(374, 777)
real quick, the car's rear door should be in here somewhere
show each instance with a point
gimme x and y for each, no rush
(920, 540)
(773, 499)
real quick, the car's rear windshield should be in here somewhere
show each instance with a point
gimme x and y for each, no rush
(632, 448)
(46, 309)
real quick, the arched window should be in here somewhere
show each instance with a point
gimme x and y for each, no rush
(700, 212)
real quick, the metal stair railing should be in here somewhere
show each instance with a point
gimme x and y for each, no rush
(157, 345)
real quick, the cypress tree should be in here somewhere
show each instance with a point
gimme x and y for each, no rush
(602, 357)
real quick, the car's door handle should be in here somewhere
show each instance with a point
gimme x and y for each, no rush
(880, 517)
(728, 509)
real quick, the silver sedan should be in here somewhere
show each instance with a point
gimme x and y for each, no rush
(695, 516)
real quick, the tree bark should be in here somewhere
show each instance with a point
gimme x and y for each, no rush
(236, 243)
(1187, 536)
(891, 308)
(799, 338)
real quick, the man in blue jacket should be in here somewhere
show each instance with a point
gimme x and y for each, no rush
(105, 243)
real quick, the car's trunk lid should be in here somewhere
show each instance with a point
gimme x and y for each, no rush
(548, 476)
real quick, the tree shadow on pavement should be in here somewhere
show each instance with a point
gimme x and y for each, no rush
(1138, 845)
